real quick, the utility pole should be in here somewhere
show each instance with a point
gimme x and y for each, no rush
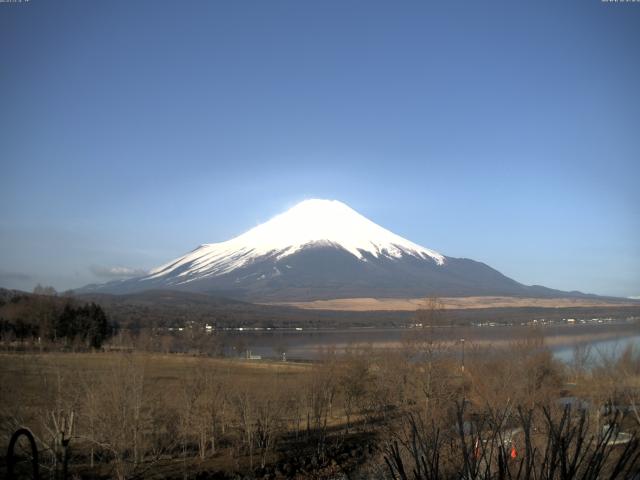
(462, 341)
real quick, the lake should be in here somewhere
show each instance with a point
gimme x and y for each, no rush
(302, 344)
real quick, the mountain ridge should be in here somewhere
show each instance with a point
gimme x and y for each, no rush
(323, 249)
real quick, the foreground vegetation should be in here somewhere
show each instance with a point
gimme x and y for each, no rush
(103, 400)
(413, 413)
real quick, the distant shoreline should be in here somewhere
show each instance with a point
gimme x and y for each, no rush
(308, 344)
(450, 303)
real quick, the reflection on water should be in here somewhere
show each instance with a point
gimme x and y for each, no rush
(598, 350)
(309, 344)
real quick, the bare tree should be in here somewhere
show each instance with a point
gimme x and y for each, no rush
(124, 414)
(321, 389)
(354, 380)
(560, 448)
(581, 358)
(269, 419)
(244, 405)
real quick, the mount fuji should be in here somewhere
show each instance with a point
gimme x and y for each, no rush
(323, 249)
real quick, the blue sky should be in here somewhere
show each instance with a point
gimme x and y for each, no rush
(506, 132)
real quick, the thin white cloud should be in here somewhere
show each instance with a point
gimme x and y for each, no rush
(116, 272)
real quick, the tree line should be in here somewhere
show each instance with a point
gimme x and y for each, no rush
(47, 319)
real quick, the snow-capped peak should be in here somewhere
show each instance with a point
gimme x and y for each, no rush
(311, 222)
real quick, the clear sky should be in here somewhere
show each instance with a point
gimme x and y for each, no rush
(507, 132)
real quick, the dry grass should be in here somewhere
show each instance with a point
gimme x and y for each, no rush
(23, 374)
(412, 304)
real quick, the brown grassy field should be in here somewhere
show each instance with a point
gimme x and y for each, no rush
(164, 373)
(148, 415)
(412, 304)
(37, 388)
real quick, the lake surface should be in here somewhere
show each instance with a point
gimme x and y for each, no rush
(604, 338)
(599, 349)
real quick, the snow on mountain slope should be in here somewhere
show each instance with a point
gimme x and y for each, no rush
(310, 223)
(321, 250)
